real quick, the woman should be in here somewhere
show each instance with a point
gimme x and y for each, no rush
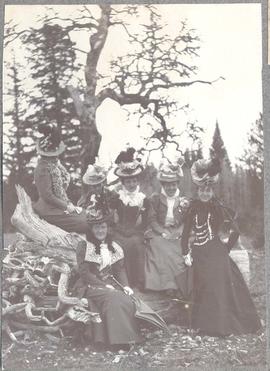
(131, 207)
(222, 302)
(99, 261)
(164, 264)
(52, 180)
(93, 183)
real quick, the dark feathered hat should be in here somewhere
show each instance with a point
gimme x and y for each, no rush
(97, 211)
(128, 164)
(50, 143)
(205, 172)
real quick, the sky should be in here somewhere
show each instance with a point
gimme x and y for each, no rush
(230, 47)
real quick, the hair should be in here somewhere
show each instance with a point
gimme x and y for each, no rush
(122, 179)
(49, 157)
(164, 183)
(91, 238)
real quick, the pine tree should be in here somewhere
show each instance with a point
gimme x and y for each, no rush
(20, 145)
(253, 155)
(52, 63)
(217, 148)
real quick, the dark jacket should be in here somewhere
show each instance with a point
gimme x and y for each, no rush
(51, 180)
(130, 219)
(218, 216)
(158, 212)
(91, 277)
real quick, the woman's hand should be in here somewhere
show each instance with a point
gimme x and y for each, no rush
(70, 208)
(84, 302)
(188, 259)
(110, 287)
(166, 235)
(128, 290)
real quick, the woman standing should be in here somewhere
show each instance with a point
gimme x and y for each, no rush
(131, 207)
(164, 264)
(99, 261)
(222, 302)
(52, 180)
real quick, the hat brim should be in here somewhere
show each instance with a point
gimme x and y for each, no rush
(94, 182)
(57, 152)
(105, 218)
(122, 174)
(167, 179)
(206, 180)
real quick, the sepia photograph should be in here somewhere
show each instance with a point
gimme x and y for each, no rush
(133, 187)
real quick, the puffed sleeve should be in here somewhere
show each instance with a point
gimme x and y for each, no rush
(119, 272)
(230, 217)
(152, 215)
(112, 199)
(44, 185)
(145, 212)
(188, 224)
(84, 267)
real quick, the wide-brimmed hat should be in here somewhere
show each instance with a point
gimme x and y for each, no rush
(170, 171)
(50, 144)
(97, 211)
(95, 174)
(205, 171)
(128, 165)
(97, 216)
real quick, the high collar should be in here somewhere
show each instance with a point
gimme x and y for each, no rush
(164, 197)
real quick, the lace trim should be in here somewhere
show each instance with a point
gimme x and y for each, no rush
(93, 257)
(60, 179)
(129, 199)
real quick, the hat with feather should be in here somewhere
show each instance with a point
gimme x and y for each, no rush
(128, 164)
(97, 211)
(50, 143)
(205, 171)
(95, 174)
(171, 171)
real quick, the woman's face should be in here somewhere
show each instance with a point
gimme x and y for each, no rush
(95, 188)
(205, 193)
(100, 231)
(130, 184)
(170, 188)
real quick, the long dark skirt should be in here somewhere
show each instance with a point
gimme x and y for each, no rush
(117, 310)
(69, 222)
(222, 302)
(164, 265)
(134, 252)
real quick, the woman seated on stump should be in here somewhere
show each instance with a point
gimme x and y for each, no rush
(99, 261)
(165, 269)
(52, 180)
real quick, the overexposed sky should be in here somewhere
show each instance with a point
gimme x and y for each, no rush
(231, 47)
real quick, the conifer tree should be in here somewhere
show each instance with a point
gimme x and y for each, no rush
(51, 60)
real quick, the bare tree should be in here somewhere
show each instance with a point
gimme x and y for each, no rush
(155, 64)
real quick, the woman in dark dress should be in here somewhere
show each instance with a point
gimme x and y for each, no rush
(52, 180)
(222, 302)
(93, 184)
(98, 260)
(164, 263)
(131, 207)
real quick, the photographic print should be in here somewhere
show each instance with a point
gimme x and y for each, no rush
(133, 194)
